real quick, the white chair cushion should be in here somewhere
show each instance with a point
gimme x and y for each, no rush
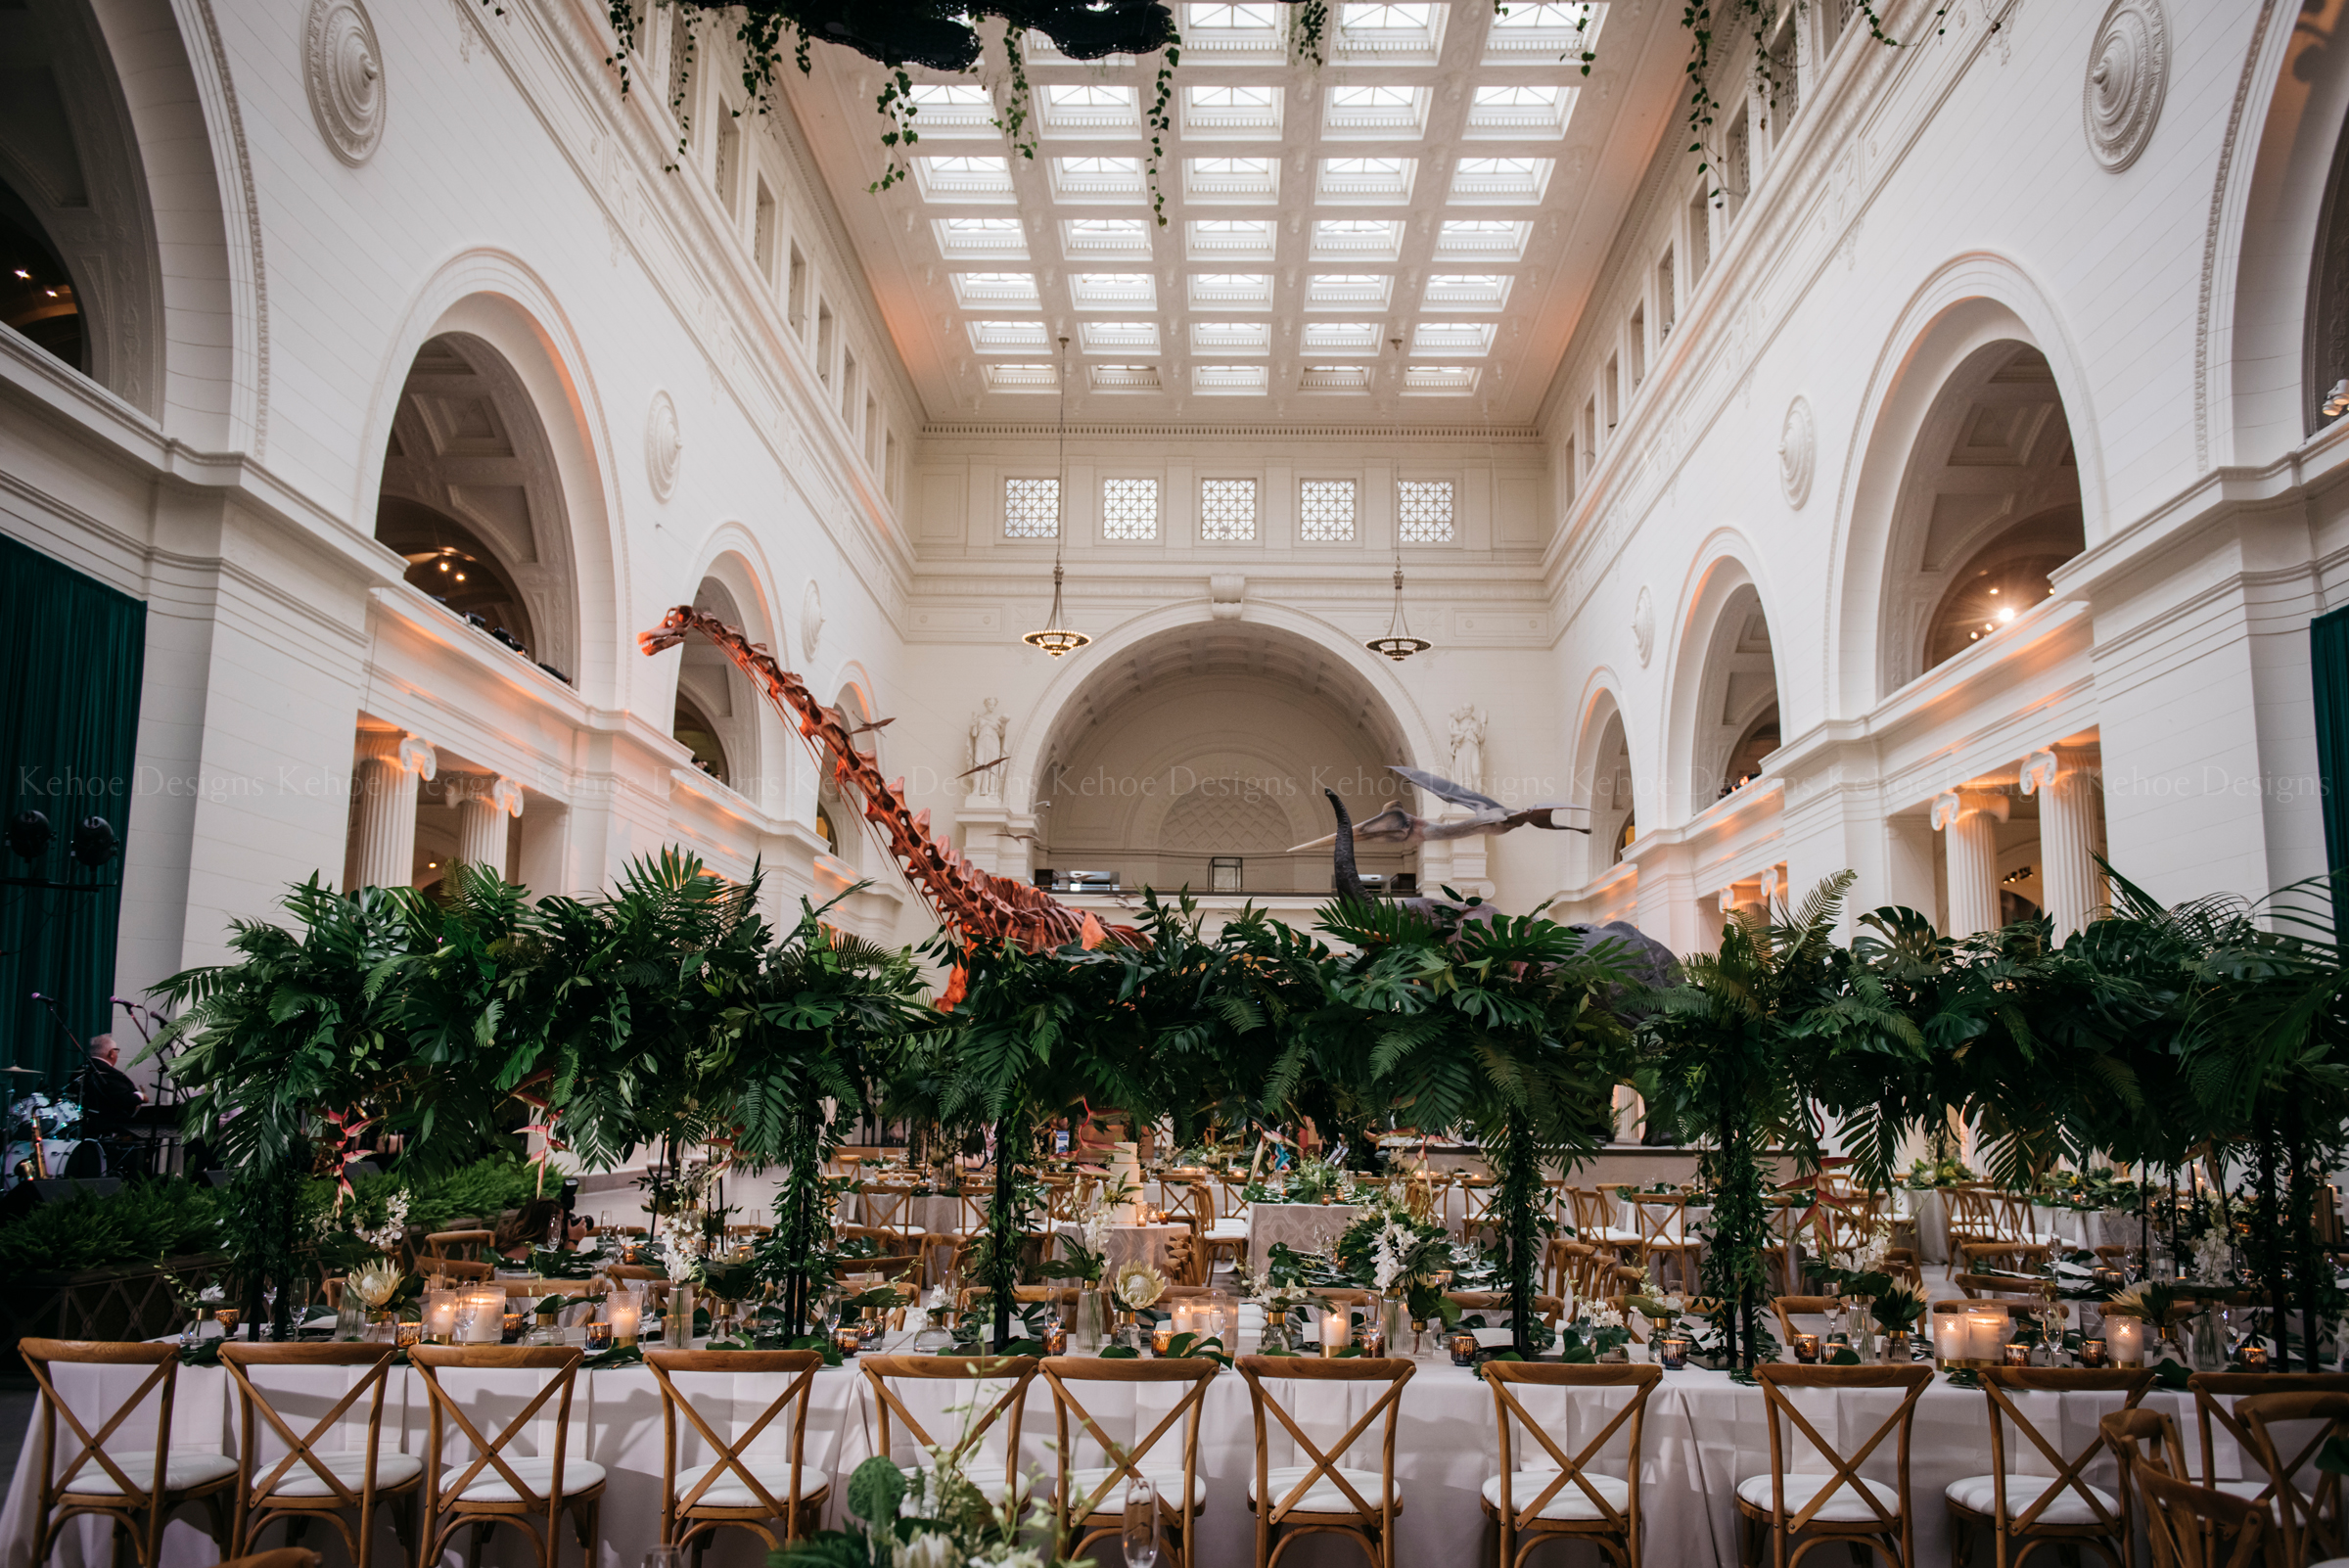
(1571, 1502)
(578, 1475)
(1612, 1236)
(391, 1470)
(180, 1472)
(1325, 1494)
(730, 1492)
(1979, 1493)
(2248, 1491)
(1227, 1230)
(1168, 1481)
(1844, 1508)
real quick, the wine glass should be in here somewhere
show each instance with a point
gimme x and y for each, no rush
(1141, 1524)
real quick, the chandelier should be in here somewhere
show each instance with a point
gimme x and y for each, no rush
(1057, 636)
(1398, 644)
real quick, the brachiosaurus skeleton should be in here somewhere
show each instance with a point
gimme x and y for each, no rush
(972, 903)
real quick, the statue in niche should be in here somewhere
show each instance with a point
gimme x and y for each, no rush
(988, 726)
(1468, 747)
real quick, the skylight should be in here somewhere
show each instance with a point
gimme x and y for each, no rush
(1519, 110)
(994, 289)
(1113, 291)
(1231, 336)
(1097, 180)
(1502, 239)
(1348, 291)
(1367, 179)
(1118, 237)
(1375, 110)
(1249, 238)
(978, 237)
(1466, 290)
(1510, 180)
(964, 178)
(1252, 180)
(1231, 291)
(1240, 110)
(1372, 239)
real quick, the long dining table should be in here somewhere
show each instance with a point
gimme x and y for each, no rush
(1704, 1434)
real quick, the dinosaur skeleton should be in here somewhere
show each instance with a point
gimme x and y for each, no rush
(972, 903)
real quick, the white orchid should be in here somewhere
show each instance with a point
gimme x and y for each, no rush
(1389, 1250)
(1595, 1316)
(2214, 1257)
(681, 1266)
(930, 1549)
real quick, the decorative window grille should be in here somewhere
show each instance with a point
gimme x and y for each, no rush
(1030, 508)
(1328, 508)
(1129, 509)
(1228, 509)
(1424, 508)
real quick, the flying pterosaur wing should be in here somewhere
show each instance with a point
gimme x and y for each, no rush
(1445, 789)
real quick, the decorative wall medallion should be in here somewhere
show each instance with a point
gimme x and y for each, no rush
(343, 71)
(1643, 624)
(2127, 71)
(664, 446)
(811, 618)
(1795, 451)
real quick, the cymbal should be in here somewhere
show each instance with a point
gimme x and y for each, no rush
(29, 1072)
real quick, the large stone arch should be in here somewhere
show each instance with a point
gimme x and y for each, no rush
(1605, 778)
(498, 307)
(734, 586)
(1710, 690)
(1969, 305)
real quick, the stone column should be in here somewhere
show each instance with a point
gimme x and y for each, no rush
(1969, 820)
(390, 763)
(2064, 779)
(483, 804)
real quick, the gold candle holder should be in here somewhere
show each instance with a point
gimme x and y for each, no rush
(599, 1337)
(2016, 1354)
(2092, 1354)
(404, 1335)
(2256, 1358)
(1463, 1349)
(1806, 1349)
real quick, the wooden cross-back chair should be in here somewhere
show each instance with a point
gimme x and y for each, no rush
(2140, 1437)
(1087, 1503)
(1789, 1307)
(1595, 1222)
(1574, 1500)
(735, 1488)
(1837, 1503)
(2063, 1509)
(533, 1493)
(1015, 1372)
(458, 1268)
(2211, 1418)
(459, 1245)
(888, 1207)
(2000, 1254)
(2187, 1525)
(1549, 1309)
(138, 1490)
(1973, 1215)
(307, 1484)
(1568, 1269)
(2311, 1520)
(1477, 1212)
(1325, 1497)
(1664, 1235)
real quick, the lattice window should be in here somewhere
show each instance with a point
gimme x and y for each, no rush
(1228, 509)
(1030, 508)
(1424, 508)
(1129, 509)
(1327, 510)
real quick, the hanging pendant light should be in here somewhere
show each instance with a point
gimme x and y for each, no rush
(1057, 637)
(1398, 644)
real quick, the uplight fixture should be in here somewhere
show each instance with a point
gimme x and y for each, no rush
(1057, 636)
(1398, 644)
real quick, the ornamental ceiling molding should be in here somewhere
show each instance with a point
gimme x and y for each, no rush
(663, 445)
(1798, 450)
(1382, 433)
(2128, 75)
(342, 69)
(1643, 624)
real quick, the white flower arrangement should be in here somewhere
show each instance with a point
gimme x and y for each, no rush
(213, 1295)
(681, 1266)
(374, 1285)
(1139, 1285)
(1598, 1317)
(2214, 1257)
(1390, 1247)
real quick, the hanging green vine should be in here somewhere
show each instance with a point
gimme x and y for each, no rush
(1162, 120)
(1309, 25)
(1019, 103)
(897, 103)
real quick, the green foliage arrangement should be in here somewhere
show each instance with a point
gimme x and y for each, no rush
(143, 1222)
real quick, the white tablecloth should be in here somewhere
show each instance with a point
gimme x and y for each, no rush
(1704, 1434)
(1127, 1244)
(1304, 1226)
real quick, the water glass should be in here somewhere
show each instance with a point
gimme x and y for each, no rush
(1141, 1524)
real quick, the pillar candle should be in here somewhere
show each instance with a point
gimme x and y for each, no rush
(624, 1310)
(439, 1315)
(1949, 1337)
(2125, 1337)
(1984, 1335)
(1336, 1331)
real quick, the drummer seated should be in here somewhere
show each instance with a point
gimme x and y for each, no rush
(110, 1099)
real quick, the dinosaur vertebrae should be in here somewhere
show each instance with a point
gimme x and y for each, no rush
(969, 901)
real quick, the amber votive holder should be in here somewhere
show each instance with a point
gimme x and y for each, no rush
(2093, 1353)
(2015, 1354)
(1806, 1349)
(599, 1337)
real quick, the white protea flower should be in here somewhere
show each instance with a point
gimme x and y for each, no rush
(374, 1285)
(681, 1266)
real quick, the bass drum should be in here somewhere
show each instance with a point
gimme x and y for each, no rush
(15, 1161)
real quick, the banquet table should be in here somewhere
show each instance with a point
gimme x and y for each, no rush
(1304, 1226)
(1127, 1244)
(1704, 1433)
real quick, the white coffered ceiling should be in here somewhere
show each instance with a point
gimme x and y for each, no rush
(1448, 177)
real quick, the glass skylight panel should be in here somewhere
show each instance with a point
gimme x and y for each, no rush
(1506, 180)
(1455, 337)
(1041, 45)
(1325, 510)
(1423, 508)
(996, 291)
(1466, 290)
(1226, 509)
(1123, 378)
(1358, 239)
(1118, 337)
(1030, 508)
(1378, 111)
(1020, 377)
(947, 111)
(1082, 238)
(1396, 35)
(1088, 109)
(1348, 291)
(1228, 380)
(1239, 110)
(1113, 291)
(1234, 34)
(1341, 337)
(1097, 180)
(1129, 509)
(1540, 34)
(1519, 112)
(1231, 291)
(1438, 380)
(1252, 180)
(1365, 179)
(1334, 379)
(1010, 337)
(1231, 238)
(1485, 239)
(1231, 336)
(963, 178)
(979, 237)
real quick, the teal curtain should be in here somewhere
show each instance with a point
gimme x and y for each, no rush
(71, 654)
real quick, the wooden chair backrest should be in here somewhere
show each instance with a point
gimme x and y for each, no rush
(1125, 1460)
(886, 1208)
(2209, 1388)
(1009, 1407)
(41, 1354)
(800, 1367)
(2310, 1519)
(2186, 1524)
(432, 1361)
(474, 1243)
(1504, 1377)
(1778, 1378)
(1547, 1308)
(301, 1448)
(457, 1268)
(1260, 1370)
(1996, 1288)
(1661, 1221)
(1787, 1307)
(2000, 1385)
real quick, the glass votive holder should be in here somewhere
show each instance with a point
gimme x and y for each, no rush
(2092, 1354)
(1056, 1338)
(226, 1318)
(2015, 1354)
(1373, 1339)
(513, 1331)
(851, 1340)
(1806, 1349)
(405, 1334)
(599, 1337)
(2256, 1358)
(1675, 1349)
(1464, 1350)
(1162, 1339)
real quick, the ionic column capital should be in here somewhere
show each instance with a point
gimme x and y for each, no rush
(410, 754)
(1953, 805)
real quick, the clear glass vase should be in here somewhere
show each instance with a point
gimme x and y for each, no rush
(1276, 1335)
(1393, 1322)
(677, 1325)
(351, 1320)
(2206, 1350)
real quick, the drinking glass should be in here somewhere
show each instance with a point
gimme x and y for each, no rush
(663, 1557)
(1141, 1524)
